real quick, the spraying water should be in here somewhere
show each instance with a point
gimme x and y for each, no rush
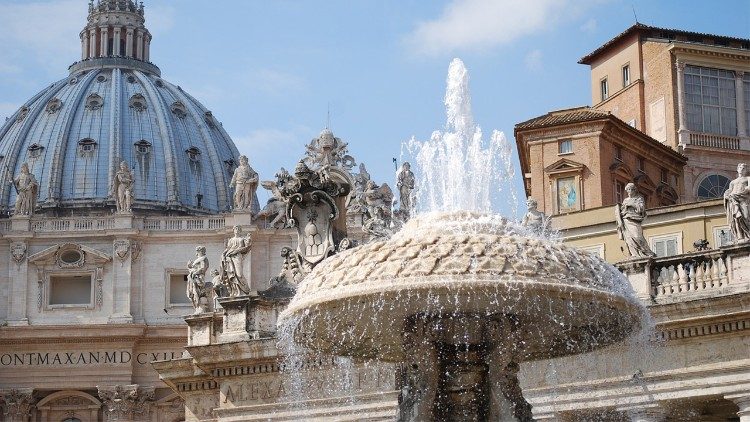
(457, 169)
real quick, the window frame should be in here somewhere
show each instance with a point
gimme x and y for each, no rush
(677, 236)
(561, 142)
(604, 88)
(179, 306)
(625, 75)
(710, 117)
(67, 306)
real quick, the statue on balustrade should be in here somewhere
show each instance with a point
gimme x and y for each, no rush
(245, 183)
(629, 217)
(122, 188)
(198, 289)
(405, 184)
(535, 220)
(275, 209)
(737, 205)
(27, 190)
(231, 263)
(377, 214)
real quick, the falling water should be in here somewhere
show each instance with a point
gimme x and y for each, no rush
(457, 169)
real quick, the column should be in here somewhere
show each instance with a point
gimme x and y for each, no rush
(84, 45)
(104, 42)
(742, 400)
(116, 42)
(129, 42)
(741, 119)
(682, 134)
(147, 49)
(92, 43)
(139, 45)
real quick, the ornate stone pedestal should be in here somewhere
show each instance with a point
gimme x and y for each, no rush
(247, 317)
(460, 369)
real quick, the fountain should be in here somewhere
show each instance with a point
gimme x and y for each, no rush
(460, 296)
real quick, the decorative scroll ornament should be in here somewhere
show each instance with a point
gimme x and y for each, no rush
(18, 252)
(18, 404)
(70, 255)
(122, 249)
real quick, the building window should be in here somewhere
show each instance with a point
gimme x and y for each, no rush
(710, 100)
(178, 289)
(193, 153)
(143, 147)
(619, 191)
(604, 89)
(567, 194)
(664, 176)
(723, 236)
(641, 164)
(565, 146)
(618, 153)
(86, 146)
(666, 245)
(712, 187)
(625, 75)
(70, 290)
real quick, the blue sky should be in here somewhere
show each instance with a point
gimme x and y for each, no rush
(270, 69)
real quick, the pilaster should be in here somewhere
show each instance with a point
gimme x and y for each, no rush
(742, 129)
(683, 135)
(18, 404)
(121, 276)
(18, 274)
(126, 402)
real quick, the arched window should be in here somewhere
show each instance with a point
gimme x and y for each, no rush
(712, 187)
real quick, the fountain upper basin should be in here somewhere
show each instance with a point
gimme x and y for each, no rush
(456, 265)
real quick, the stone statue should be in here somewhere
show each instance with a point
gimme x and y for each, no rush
(737, 205)
(231, 263)
(534, 219)
(27, 190)
(122, 188)
(220, 289)
(629, 216)
(405, 185)
(197, 288)
(245, 183)
(377, 212)
(327, 151)
(356, 200)
(275, 209)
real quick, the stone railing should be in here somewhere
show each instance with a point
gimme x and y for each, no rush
(79, 224)
(714, 141)
(184, 223)
(687, 276)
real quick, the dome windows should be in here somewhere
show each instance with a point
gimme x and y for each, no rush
(53, 106)
(73, 80)
(179, 109)
(86, 147)
(143, 147)
(194, 154)
(94, 102)
(35, 150)
(137, 102)
(159, 83)
(131, 79)
(209, 118)
(101, 78)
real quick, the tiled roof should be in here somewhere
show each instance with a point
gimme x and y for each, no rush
(559, 117)
(639, 27)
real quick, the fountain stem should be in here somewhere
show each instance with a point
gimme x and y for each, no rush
(460, 368)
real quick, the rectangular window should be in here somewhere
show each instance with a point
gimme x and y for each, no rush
(746, 89)
(710, 100)
(625, 75)
(565, 146)
(664, 176)
(178, 289)
(70, 290)
(619, 192)
(668, 245)
(722, 236)
(604, 89)
(641, 165)
(618, 153)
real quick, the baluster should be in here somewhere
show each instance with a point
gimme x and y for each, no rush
(682, 285)
(692, 284)
(723, 271)
(701, 276)
(661, 281)
(674, 280)
(715, 274)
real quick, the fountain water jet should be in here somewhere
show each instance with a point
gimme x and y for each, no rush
(460, 298)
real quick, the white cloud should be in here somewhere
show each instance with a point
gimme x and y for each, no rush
(589, 26)
(533, 60)
(483, 24)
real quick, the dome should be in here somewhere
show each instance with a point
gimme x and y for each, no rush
(114, 106)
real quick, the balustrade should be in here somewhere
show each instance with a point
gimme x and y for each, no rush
(693, 275)
(714, 141)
